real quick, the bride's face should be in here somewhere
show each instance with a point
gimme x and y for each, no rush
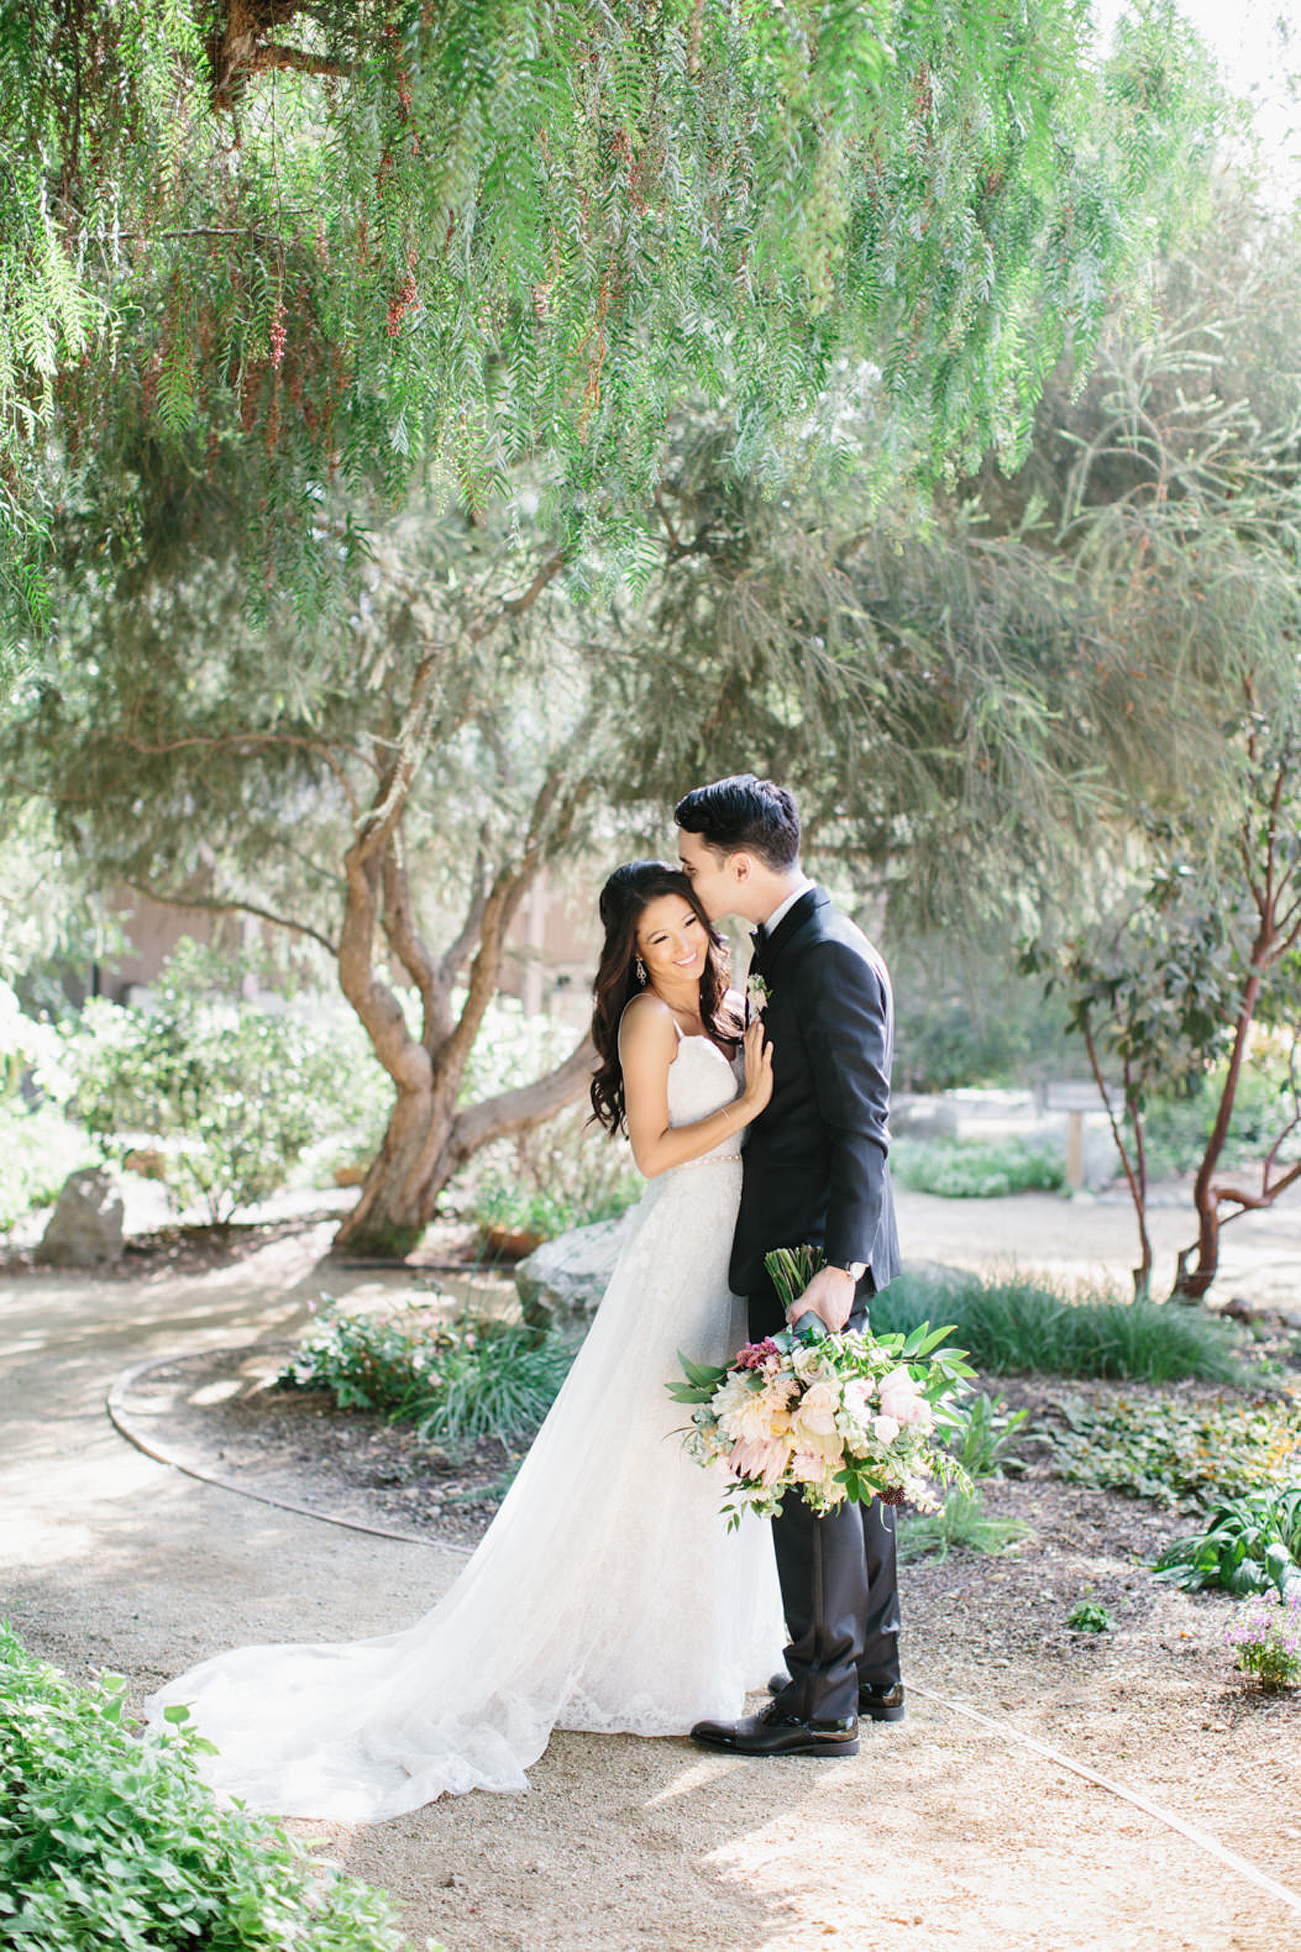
(672, 942)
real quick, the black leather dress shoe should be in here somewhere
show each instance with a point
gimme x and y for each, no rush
(878, 1704)
(773, 1732)
(882, 1704)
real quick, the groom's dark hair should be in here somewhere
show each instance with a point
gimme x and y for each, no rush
(744, 814)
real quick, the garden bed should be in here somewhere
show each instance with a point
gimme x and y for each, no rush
(222, 1415)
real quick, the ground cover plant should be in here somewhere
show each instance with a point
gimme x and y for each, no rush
(1178, 1453)
(1250, 1544)
(975, 1169)
(1267, 1640)
(110, 1840)
(456, 1382)
(982, 1448)
(1011, 1325)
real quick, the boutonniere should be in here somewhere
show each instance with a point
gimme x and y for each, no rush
(756, 992)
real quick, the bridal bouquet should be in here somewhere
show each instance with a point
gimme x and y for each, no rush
(832, 1417)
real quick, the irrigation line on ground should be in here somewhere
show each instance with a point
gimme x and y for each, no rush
(1212, 1845)
(124, 1423)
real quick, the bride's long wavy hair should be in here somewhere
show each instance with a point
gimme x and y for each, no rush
(623, 898)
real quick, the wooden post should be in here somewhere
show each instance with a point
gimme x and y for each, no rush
(1075, 1150)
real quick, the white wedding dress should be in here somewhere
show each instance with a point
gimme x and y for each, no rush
(607, 1594)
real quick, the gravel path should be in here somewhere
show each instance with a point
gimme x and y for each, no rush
(940, 1833)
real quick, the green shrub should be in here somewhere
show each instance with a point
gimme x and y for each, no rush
(1251, 1544)
(559, 1175)
(231, 1094)
(108, 1839)
(38, 1149)
(984, 1444)
(1177, 1127)
(1179, 1454)
(975, 1169)
(1015, 1326)
(456, 1383)
(961, 1524)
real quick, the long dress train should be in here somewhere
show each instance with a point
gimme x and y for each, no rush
(607, 1594)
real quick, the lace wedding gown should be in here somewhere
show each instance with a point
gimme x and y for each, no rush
(607, 1594)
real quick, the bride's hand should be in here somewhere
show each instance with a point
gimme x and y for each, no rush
(758, 1070)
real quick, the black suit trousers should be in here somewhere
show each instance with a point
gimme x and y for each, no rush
(840, 1595)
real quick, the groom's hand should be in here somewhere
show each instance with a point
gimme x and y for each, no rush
(829, 1296)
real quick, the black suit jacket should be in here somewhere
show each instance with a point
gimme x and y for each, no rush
(815, 1158)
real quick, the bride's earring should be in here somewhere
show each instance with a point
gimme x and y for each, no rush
(640, 968)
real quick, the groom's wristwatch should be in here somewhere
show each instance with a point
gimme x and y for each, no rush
(854, 1269)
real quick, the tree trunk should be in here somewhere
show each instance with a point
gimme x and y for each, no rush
(428, 1141)
(1192, 1283)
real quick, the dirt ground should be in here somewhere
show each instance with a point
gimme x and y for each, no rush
(942, 1832)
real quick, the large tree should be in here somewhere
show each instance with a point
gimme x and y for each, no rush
(1172, 487)
(370, 239)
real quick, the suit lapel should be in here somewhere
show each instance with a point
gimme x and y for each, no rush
(790, 925)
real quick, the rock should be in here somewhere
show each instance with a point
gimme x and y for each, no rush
(922, 1116)
(86, 1225)
(561, 1282)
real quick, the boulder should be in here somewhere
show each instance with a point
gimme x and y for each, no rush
(917, 1115)
(86, 1225)
(562, 1281)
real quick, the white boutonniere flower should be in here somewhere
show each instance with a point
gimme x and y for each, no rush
(756, 992)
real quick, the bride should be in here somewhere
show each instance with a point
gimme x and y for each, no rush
(607, 1594)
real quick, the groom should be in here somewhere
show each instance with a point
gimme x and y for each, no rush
(815, 1171)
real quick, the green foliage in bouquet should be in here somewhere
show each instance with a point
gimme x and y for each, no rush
(109, 1841)
(832, 1416)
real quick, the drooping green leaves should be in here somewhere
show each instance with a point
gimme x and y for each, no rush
(397, 240)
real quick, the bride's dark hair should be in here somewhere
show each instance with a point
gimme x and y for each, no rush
(623, 898)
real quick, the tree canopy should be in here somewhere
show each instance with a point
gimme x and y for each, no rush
(365, 240)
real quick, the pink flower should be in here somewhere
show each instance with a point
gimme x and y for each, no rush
(755, 1354)
(807, 1467)
(760, 1457)
(902, 1400)
(886, 1428)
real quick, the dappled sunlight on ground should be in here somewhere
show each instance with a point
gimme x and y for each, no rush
(939, 1833)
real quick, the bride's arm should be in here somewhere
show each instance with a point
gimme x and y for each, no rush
(648, 1042)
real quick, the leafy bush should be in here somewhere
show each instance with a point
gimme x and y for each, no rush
(987, 1433)
(111, 1840)
(1013, 1326)
(1250, 1545)
(961, 1524)
(964, 1017)
(455, 1382)
(1176, 1127)
(1179, 1454)
(560, 1175)
(230, 1093)
(38, 1149)
(975, 1169)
